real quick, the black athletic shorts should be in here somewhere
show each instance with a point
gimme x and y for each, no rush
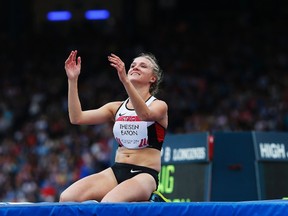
(123, 171)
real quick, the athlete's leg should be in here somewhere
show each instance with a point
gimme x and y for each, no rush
(93, 187)
(136, 189)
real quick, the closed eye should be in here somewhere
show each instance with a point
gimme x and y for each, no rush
(143, 65)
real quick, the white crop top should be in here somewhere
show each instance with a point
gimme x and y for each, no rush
(132, 133)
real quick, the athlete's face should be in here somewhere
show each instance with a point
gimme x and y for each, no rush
(141, 70)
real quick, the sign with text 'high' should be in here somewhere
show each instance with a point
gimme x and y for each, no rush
(271, 146)
(271, 150)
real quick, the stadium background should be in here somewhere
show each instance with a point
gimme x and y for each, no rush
(225, 66)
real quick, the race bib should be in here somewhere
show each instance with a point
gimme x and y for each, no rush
(131, 134)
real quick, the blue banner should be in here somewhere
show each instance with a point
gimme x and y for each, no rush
(185, 148)
(271, 146)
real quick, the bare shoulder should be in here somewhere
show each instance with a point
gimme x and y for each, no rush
(160, 103)
(114, 106)
(160, 112)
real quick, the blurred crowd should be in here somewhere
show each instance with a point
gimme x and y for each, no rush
(222, 72)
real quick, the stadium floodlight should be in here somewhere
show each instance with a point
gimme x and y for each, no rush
(56, 16)
(97, 14)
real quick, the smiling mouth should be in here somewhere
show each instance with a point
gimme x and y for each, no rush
(135, 73)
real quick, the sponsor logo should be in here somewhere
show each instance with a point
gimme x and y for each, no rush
(187, 154)
(135, 171)
(121, 114)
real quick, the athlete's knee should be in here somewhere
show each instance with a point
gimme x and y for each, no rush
(65, 196)
(62, 197)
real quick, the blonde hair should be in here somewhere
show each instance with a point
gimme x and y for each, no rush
(156, 70)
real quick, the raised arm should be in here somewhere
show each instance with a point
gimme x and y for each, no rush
(76, 115)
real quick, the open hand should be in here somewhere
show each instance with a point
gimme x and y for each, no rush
(119, 65)
(73, 65)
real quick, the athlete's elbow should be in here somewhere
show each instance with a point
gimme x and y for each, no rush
(75, 121)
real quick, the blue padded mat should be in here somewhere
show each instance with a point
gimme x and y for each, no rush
(263, 208)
